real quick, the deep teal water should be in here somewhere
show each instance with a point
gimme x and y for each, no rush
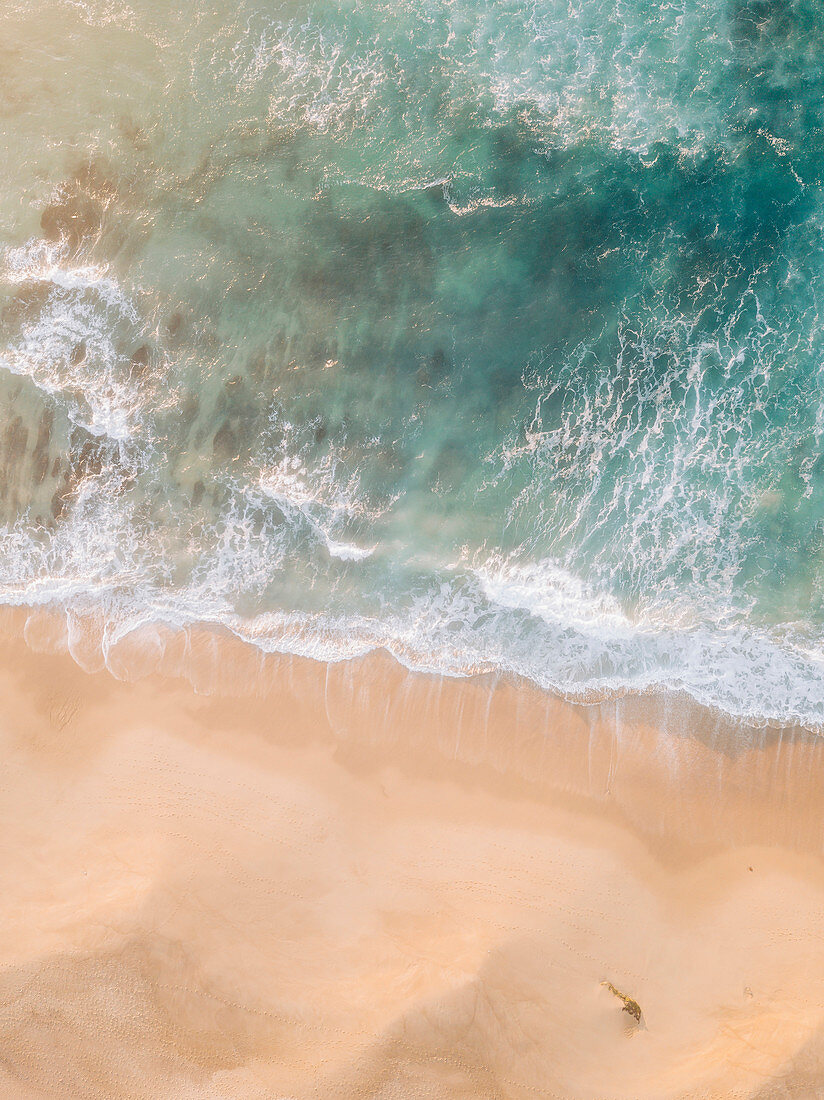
(486, 332)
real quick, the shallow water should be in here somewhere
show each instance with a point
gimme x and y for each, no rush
(487, 333)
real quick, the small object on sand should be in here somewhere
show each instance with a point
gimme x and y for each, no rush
(630, 1006)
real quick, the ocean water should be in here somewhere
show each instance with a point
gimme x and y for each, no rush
(486, 332)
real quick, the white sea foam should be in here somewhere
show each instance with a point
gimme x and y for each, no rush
(322, 493)
(533, 618)
(479, 201)
(84, 306)
(667, 452)
(315, 75)
(535, 621)
(289, 491)
(587, 70)
(546, 589)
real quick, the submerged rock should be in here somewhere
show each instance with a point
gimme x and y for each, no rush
(225, 442)
(140, 359)
(40, 454)
(77, 211)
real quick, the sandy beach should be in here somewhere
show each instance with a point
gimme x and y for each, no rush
(353, 881)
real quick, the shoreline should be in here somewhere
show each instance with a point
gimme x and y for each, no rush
(355, 881)
(734, 780)
(763, 700)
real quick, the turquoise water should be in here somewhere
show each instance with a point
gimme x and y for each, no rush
(485, 332)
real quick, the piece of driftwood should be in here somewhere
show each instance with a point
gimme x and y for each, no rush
(630, 1006)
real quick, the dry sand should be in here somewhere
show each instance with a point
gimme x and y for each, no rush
(358, 882)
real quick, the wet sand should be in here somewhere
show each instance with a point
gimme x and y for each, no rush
(353, 881)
